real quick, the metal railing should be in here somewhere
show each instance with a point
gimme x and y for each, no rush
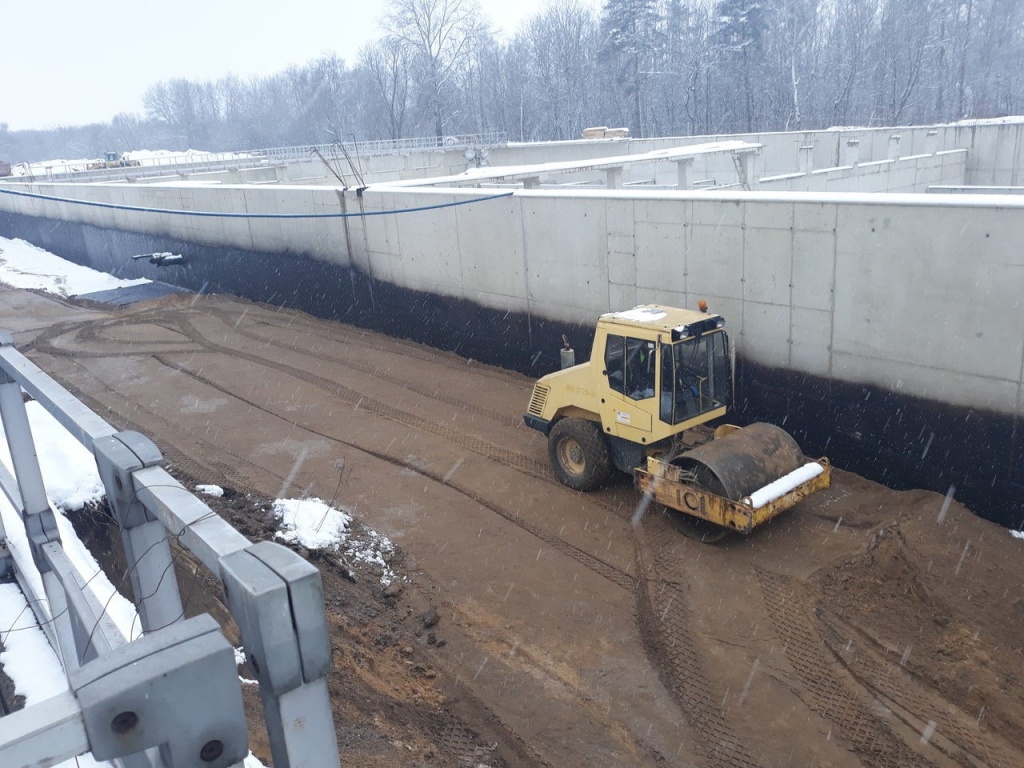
(206, 162)
(171, 698)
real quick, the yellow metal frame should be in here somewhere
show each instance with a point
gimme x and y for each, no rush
(664, 482)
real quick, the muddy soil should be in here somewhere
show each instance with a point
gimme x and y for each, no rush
(534, 626)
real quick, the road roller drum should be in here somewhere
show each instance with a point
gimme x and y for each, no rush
(743, 461)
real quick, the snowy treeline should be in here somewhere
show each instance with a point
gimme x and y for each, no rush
(658, 67)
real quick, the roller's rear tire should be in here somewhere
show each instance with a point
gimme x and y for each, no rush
(579, 454)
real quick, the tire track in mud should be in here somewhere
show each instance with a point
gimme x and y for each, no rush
(46, 343)
(488, 450)
(823, 690)
(503, 456)
(956, 735)
(376, 372)
(92, 333)
(210, 469)
(595, 564)
(665, 620)
(461, 742)
(352, 335)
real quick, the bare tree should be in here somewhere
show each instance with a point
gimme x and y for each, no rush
(386, 65)
(659, 66)
(187, 107)
(559, 46)
(440, 35)
(127, 128)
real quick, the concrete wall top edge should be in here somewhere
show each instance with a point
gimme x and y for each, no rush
(80, 191)
(838, 129)
(845, 198)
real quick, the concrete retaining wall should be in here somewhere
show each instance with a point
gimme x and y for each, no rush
(913, 293)
(884, 329)
(995, 156)
(995, 151)
(918, 293)
(226, 213)
(905, 174)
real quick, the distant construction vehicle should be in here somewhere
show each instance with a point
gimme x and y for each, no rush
(655, 376)
(113, 160)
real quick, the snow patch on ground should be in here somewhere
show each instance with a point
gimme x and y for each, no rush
(376, 550)
(210, 490)
(314, 524)
(27, 655)
(1017, 534)
(69, 469)
(23, 265)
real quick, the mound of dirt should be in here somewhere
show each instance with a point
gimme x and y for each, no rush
(933, 592)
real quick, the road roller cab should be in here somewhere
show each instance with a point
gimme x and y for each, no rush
(656, 374)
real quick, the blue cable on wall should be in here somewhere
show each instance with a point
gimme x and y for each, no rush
(216, 214)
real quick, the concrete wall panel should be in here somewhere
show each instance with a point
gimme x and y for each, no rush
(901, 297)
(714, 260)
(813, 269)
(811, 334)
(236, 230)
(566, 253)
(660, 261)
(491, 248)
(623, 296)
(771, 215)
(673, 212)
(766, 333)
(767, 265)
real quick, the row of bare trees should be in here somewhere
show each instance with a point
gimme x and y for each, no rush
(658, 67)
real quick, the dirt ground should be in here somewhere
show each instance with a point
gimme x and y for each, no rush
(534, 626)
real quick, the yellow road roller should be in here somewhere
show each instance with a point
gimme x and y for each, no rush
(656, 376)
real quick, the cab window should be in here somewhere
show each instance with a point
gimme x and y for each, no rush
(694, 377)
(629, 365)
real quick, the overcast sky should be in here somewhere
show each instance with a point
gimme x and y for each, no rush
(69, 62)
